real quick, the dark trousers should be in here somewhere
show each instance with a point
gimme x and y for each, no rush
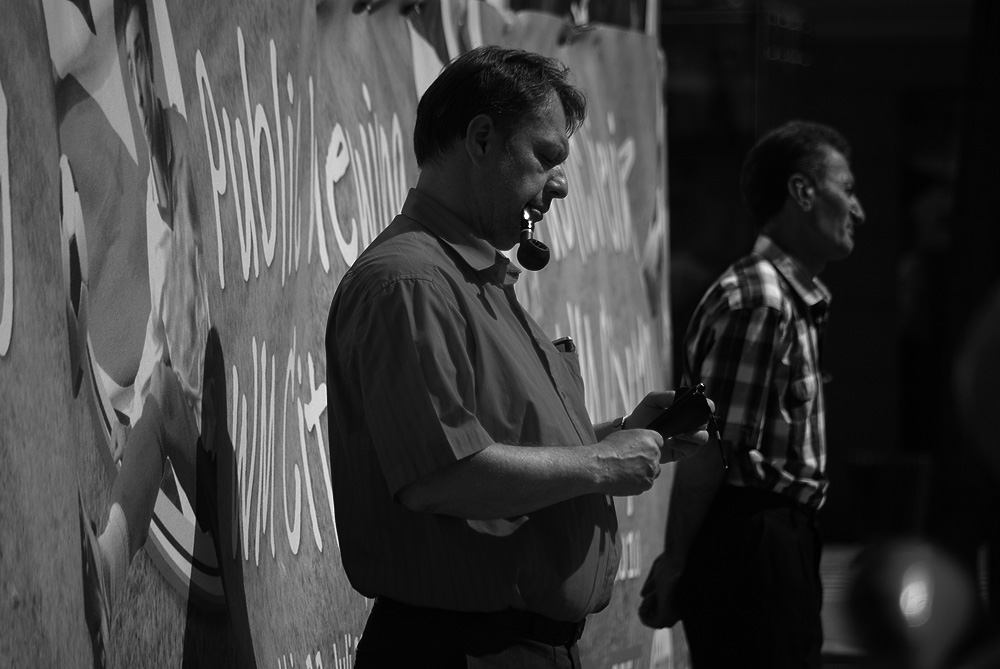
(752, 591)
(398, 635)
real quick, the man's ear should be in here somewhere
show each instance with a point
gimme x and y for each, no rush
(479, 136)
(801, 190)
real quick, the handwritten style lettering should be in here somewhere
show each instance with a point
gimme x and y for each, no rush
(254, 158)
(260, 428)
(6, 235)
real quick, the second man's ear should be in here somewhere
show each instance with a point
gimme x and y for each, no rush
(801, 190)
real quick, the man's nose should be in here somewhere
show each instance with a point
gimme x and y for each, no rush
(557, 186)
(857, 211)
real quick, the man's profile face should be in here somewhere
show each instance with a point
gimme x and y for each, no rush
(525, 175)
(837, 210)
(139, 67)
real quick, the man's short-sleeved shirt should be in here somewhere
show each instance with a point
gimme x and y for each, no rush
(754, 341)
(431, 359)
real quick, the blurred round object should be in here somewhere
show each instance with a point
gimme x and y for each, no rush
(910, 605)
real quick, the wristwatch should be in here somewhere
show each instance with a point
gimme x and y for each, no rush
(619, 423)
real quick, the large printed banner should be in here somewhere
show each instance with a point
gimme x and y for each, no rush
(182, 185)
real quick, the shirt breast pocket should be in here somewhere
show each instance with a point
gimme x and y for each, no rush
(802, 392)
(568, 354)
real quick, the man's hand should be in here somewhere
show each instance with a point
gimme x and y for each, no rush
(651, 406)
(683, 445)
(660, 606)
(629, 461)
(505, 480)
(675, 448)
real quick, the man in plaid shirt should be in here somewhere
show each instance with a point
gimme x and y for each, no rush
(751, 595)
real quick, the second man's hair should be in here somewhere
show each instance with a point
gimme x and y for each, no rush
(795, 147)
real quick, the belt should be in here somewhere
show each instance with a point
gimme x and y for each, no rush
(524, 624)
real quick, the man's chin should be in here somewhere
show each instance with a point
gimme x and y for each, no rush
(844, 249)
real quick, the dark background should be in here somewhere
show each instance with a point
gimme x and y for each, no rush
(911, 83)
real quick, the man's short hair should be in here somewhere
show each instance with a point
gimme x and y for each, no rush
(510, 86)
(796, 146)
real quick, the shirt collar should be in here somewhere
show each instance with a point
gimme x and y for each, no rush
(812, 291)
(456, 234)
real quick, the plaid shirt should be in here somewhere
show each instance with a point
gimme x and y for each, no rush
(754, 341)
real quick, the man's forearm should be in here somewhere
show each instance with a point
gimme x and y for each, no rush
(504, 481)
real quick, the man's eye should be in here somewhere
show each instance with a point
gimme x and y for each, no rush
(550, 157)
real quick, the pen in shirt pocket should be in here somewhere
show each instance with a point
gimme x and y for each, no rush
(564, 344)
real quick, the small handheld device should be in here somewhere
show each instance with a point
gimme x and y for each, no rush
(689, 411)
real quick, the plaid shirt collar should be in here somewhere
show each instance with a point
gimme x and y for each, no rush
(813, 292)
